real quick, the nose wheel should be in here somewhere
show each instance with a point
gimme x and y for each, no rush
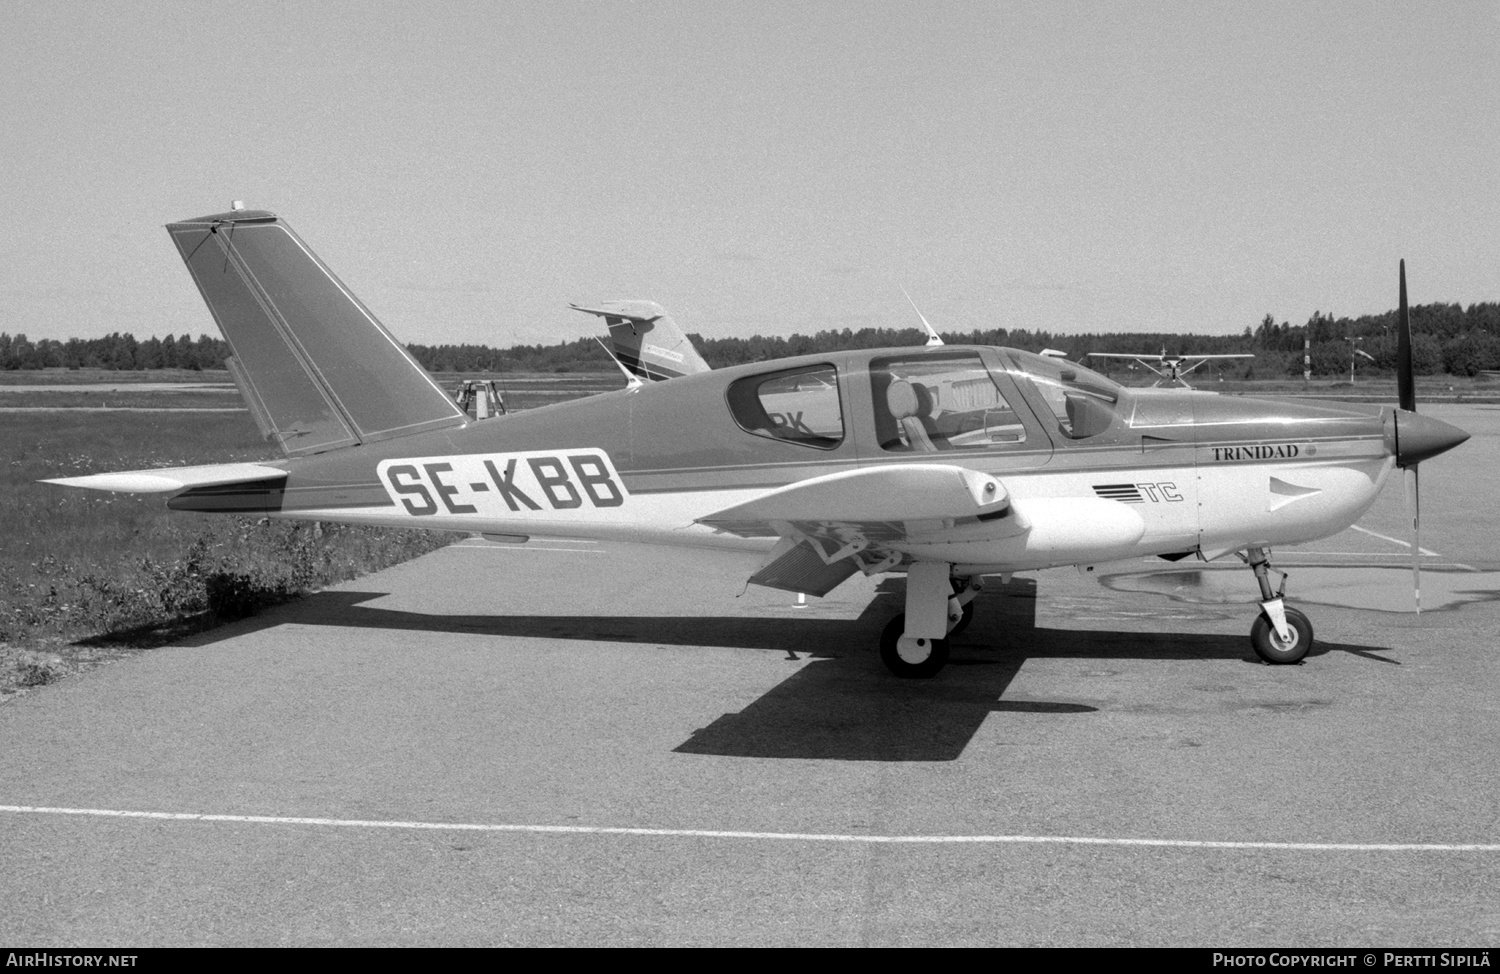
(1276, 649)
(1280, 634)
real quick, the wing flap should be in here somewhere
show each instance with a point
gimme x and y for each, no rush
(797, 566)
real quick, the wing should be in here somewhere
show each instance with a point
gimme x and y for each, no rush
(1127, 355)
(832, 526)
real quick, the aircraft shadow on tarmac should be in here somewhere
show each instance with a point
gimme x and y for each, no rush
(843, 704)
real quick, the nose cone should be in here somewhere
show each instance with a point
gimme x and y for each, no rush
(1419, 437)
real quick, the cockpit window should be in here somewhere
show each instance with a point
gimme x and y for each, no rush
(797, 406)
(936, 403)
(1082, 401)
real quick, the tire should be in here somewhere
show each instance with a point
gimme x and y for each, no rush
(891, 657)
(1271, 649)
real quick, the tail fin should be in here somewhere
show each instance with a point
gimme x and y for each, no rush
(315, 367)
(645, 339)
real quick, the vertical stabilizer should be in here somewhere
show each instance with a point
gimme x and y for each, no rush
(645, 339)
(318, 371)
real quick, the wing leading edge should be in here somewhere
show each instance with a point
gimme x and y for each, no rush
(877, 519)
(833, 526)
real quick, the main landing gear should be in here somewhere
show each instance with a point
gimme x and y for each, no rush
(1280, 634)
(914, 645)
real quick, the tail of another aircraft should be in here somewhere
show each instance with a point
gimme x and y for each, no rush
(316, 368)
(645, 340)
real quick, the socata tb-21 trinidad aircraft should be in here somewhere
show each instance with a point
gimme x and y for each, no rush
(945, 463)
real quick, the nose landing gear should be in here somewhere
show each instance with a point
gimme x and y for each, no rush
(1280, 634)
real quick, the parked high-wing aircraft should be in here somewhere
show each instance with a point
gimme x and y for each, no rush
(1175, 366)
(945, 463)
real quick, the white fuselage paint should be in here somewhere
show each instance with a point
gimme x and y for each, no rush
(1061, 520)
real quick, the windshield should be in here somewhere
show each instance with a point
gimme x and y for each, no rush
(1082, 401)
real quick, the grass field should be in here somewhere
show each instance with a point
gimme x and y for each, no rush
(87, 576)
(19, 377)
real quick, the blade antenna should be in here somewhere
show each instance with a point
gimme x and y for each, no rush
(932, 336)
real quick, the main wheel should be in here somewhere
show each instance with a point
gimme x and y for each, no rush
(1271, 648)
(918, 659)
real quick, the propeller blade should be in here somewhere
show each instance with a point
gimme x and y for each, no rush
(1413, 486)
(1406, 389)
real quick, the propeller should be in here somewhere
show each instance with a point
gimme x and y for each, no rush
(1415, 438)
(1406, 397)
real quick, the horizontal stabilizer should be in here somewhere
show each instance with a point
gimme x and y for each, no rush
(1167, 358)
(895, 492)
(167, 480)
(637, 313)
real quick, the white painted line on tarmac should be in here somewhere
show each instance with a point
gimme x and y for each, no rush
(524, 547)
(1382, 537)
(122, 409)
(762, 836)
(477, 541)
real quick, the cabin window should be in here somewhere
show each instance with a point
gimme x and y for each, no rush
(798, 406)
(937, 403)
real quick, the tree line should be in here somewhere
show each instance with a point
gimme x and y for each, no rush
(1446, 338)
(116, 351)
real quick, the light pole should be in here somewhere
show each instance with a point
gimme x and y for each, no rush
(1354, 352)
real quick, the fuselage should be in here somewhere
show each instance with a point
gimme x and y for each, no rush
(1095, 471)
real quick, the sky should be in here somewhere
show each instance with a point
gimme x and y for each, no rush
(468, 169)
